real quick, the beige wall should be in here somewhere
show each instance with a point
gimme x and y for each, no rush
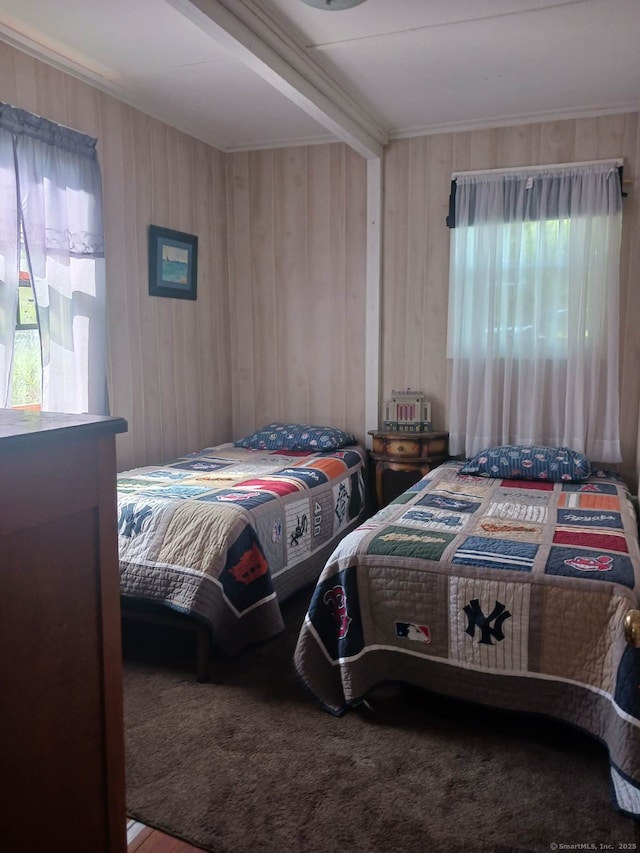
(169, 370)
(297, 249)
(278, 330)
(417, 176)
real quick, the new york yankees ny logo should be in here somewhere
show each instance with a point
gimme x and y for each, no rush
(131, 522)
(477, 619)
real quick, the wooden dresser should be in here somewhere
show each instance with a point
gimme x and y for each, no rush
(62, 753)
(403, 458)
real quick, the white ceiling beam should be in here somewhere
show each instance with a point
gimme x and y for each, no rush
(373, 313)
(262, 45)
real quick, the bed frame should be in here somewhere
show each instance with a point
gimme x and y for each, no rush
(137, 611)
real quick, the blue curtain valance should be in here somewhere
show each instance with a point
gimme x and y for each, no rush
(21, 123)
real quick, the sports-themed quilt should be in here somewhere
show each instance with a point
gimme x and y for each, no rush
(510, 593)
(226, 533)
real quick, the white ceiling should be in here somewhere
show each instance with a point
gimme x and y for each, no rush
(244, 74)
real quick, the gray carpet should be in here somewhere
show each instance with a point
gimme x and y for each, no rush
(249, 764)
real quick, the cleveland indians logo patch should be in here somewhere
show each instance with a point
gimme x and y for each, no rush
(591, 564)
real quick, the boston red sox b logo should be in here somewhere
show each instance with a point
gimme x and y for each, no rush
(336, 599)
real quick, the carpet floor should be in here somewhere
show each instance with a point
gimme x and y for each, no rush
(249, 764)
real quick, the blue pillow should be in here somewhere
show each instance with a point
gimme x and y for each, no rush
(278, 436)
(529, 462)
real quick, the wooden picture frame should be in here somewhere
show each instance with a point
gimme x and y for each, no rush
(173, 263)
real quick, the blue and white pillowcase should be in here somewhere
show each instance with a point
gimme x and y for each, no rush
(296, 437)
(529, 462)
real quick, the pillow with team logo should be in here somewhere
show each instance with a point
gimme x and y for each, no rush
(279, 436)
(529, 462)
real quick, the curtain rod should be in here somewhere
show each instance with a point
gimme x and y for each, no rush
(618, 161)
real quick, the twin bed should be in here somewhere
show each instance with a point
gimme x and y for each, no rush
(507, 583)
(225, 535)
(509, 592)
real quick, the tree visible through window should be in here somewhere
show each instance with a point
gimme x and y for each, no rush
(26, 374)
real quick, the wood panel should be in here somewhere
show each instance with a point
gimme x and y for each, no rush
(333, 357)
(262, 291)
(320, 280)
(297, 238)
(169, 372)
(278, 330)
(292, 302)
(416, 246)
(353, 314)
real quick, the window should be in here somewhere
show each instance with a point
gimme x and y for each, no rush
(533, 309)
(26, 374)
(52, 310)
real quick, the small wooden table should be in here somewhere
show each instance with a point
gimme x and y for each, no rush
(403, 458)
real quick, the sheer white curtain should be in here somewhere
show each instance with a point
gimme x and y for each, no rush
(9, 258)
(533, 310)
(59, 191)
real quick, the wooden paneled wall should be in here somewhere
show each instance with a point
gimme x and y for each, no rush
(297, 252)
(417, 175)
(278, 330)
(169, 371)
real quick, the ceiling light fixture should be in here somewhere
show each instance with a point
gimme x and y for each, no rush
(333, 5)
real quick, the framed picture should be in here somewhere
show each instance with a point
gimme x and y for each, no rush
(173, 263)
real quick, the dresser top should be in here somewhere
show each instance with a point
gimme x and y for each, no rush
(17, 426)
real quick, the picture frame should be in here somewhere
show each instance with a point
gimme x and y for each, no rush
(173, 263)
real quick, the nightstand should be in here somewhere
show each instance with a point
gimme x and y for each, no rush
(403, 458)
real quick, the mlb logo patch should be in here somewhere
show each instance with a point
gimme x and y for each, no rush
(411, 631)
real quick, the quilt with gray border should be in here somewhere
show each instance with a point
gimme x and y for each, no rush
(510, 593)
(226, 533)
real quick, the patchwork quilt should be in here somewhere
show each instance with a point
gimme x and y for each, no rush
(226, 533)
(510, 593)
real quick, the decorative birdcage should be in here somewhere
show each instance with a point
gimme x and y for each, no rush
(407, 411)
